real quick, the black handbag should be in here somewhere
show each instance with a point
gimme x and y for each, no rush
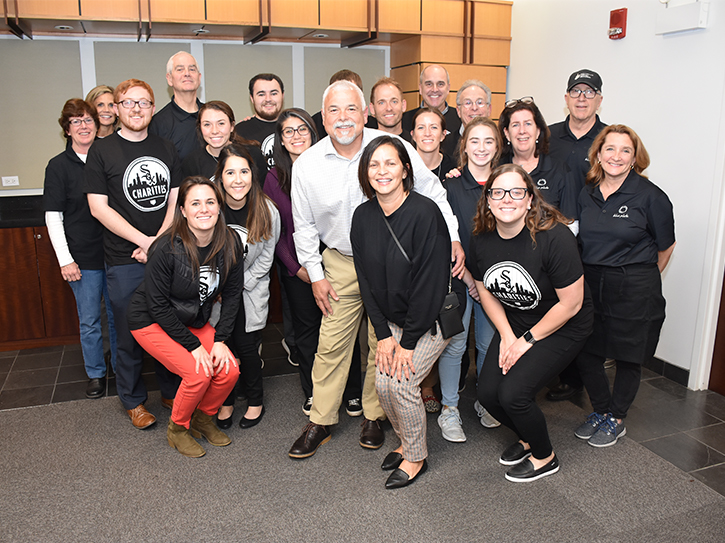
(449, 317)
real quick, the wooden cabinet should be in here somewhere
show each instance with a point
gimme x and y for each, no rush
(177, 11)
(442, 17)
(345, 15)
(239, 12)
(294, 13)
(399, 16)
(44, 9)
(118, 10)
(37, 305)
(492, 19)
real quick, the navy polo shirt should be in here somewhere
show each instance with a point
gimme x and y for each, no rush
(630, 227)
(565, 147)
(177, 126)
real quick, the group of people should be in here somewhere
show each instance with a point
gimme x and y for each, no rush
(551, 238)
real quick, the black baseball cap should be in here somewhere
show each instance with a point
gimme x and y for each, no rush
(587, 77)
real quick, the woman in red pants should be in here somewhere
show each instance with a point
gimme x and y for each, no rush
(188, 267)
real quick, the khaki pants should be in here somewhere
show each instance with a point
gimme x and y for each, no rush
(337, 340)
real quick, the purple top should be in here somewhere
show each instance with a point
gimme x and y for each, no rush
(285, 249)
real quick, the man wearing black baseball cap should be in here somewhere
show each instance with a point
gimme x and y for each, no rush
(571, 139)
(569, 142)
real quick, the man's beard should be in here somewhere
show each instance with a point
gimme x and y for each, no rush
(268, 116)
(347, 140)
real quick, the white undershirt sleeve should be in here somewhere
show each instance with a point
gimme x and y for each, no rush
(56, 232)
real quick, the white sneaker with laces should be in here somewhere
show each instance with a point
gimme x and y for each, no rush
(451, 425)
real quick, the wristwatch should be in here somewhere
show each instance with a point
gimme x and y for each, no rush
(528, 337)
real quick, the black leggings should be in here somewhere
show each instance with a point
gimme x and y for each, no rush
(511, 398)
(626, 384)
(245, 345)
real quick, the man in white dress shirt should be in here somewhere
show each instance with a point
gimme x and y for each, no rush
(325, 193)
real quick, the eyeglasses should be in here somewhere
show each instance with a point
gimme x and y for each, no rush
(588, 92)
(77, 122)
(302, 130)
(468, 104)
(524, 100)
(515, 193)
(129, 104)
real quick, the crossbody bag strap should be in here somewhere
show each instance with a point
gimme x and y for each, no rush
(395, 238)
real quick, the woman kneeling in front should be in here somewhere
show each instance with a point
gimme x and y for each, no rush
(189, 265)
(531, 282)
(402, 251)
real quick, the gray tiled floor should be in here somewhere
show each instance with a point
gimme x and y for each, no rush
(685, 427)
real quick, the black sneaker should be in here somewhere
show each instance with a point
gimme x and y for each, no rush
(307, 406)
(354, 407)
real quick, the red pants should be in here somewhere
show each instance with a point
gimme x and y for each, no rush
(196, 389)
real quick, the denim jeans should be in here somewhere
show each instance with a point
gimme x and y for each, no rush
(449, 363)
(88, 291)
(484, 334)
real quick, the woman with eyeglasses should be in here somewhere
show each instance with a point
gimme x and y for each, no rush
(189, 266)
(529, 276)
(77, 238)
(401, 248)
(627, 235)
(255, 219)
(523, 128)
(294, 134)
(215, 124)
(102, 97)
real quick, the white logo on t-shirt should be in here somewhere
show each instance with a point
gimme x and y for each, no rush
(541, 183)
(267, 148)
(146, 183)
(243, 235)
(208, 282)
(512, 285)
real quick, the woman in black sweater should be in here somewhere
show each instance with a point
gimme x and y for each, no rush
(402, 287)
(189, 265)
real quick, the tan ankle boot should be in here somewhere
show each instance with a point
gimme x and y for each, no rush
(203, 425)
(180, 439)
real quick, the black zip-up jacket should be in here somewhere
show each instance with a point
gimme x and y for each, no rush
(169, 295)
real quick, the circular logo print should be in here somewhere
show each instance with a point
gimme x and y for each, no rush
(623, 210)
(146, 183)
(512, 285)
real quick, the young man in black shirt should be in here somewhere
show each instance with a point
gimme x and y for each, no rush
(387, 105)
(266, 92)
(176, 121)
(132, 179)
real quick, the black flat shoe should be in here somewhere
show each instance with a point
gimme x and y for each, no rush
(525, 471)
(224, 424)
(249, 423)
(392, 461)
(399, 479)
(96, 388)
(514, 454)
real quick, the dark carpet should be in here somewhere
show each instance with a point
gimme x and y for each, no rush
(79, 471)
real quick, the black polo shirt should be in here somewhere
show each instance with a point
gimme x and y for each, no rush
(463, 194)
(630, 227)
(453, 127)
(555, 183)
(177, 126)
(565, 147)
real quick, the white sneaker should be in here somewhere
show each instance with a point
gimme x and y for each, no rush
(451, 426)
(487, 421)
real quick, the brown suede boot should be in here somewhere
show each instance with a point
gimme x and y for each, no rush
(180, 439)
(203, 425)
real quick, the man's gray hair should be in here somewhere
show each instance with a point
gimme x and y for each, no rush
(474, 83)
(170, 63)
(344, 84)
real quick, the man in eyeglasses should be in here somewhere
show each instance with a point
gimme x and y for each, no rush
(434, 86)
(176, 121)
(571, 139)
(473, 100)
(569, 142)
(132, 181)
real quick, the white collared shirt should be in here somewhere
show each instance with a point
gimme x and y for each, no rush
(325, 193)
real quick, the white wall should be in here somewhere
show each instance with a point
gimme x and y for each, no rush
(670, 89)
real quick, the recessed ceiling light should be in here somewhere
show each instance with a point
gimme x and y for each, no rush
(201, 30)
(320, 36)
(63, 27)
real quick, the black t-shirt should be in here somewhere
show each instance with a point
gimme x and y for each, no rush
(630, 227)
(178, 126)
(237, 221)
(453, 128)
(63, 191)
(523, 277)
(262, 132)
(137, 178)
(555, 182)
(565, 147)
(200, 162)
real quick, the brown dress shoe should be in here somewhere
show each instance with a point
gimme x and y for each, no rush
(372, 435)
(140, 417)
(180, 439)
(312, 437)
(167, 402)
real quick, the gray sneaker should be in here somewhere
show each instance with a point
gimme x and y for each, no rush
(451, 426)
(487, 420)
(608, 434)
(590, 426)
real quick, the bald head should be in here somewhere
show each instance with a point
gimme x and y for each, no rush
(434, 86)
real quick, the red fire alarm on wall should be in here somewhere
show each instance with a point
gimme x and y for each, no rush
(618, 24)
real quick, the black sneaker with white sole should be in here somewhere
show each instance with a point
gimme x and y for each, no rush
(354, 407)
(307, 406)
(525, 471)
